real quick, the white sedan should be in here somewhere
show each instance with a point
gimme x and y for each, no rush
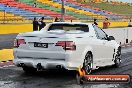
(66, 45)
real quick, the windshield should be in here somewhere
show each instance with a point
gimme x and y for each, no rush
(69, 27)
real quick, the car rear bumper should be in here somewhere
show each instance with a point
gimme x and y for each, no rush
(48, 60)
(46, 64)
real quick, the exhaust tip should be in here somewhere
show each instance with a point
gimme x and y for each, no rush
(97, 67)
(59, 67)
(39, 66)
(21, 65)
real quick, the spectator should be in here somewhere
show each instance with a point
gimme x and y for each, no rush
(42, 24)
(39, 23)
(7, 5)
(95, 22)
(130, 23)
(56, 19)
(103, 10)
(35, 5)
(35, 24)
(106, 23)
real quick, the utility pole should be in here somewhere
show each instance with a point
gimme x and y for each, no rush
(62, 11)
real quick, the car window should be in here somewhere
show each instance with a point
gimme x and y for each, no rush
(100, 33)
(68, 27)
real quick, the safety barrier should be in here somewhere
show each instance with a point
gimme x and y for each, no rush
(6, 55)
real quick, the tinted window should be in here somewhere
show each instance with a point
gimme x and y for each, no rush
(68, 27)
(100, 33)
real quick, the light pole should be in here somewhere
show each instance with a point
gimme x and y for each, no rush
(62, 11)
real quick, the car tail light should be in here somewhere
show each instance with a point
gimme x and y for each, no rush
(18, 42)
(67, 45)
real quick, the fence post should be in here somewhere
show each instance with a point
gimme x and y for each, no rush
(62, 11)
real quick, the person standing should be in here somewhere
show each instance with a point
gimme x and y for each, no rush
(106, 23)
(35, 5)
(95, 22)
(42, 24)
(35, 24)
(57, 19)
(130, 23)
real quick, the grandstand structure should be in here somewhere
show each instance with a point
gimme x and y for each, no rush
(23, 11)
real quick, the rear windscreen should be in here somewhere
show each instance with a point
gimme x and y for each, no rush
(69, 27)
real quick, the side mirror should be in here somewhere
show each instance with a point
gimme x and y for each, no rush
(111, 38)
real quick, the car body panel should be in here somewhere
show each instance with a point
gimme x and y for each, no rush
(103, 50)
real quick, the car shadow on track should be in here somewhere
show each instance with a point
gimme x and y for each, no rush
(66, 73)
(104, 70)
(52, 74)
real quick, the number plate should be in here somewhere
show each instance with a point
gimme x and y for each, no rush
(43, 45)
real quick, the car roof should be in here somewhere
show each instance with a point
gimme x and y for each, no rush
(70, 23)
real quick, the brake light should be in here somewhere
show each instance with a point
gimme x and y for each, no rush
(18, 42)
(67, 45)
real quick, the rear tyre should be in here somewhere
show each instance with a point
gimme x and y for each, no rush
(29, 69)
(88, 63)
(117, 61)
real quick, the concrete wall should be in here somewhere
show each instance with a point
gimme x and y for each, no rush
(120, 34)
